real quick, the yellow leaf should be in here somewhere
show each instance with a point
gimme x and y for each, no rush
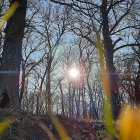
(8, 14)
(130, 124)
(5, 124)
(60, 129)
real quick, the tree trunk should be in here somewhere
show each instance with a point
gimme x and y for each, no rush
(23, 82)
(12, 54)
(77, 102)
(69, 100)
(48, 84)
(72, 103)
(137, 87)
(108, 46)
(62, 100)
(92, 104)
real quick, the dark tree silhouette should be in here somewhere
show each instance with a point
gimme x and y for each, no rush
(12, 54)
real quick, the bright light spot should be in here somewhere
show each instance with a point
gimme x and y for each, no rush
(74, 72)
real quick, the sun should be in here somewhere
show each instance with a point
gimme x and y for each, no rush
(74, 72)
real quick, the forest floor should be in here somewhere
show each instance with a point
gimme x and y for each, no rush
(27, 126)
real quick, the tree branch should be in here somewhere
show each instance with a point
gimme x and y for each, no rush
(77, 7)
(120, 19)
(113, 4)
(116, 42)
(135, 27)
(127, 45)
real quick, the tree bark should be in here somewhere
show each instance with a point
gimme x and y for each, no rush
(12, 54)
(108, 46)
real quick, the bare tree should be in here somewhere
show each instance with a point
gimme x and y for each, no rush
(96, 18)
(53, 27)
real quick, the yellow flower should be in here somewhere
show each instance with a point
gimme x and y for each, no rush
(130, 124)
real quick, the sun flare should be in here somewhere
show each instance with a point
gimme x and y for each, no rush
(74, 72)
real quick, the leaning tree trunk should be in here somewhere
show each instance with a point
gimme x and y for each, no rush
(12, 54)
(108, 46)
